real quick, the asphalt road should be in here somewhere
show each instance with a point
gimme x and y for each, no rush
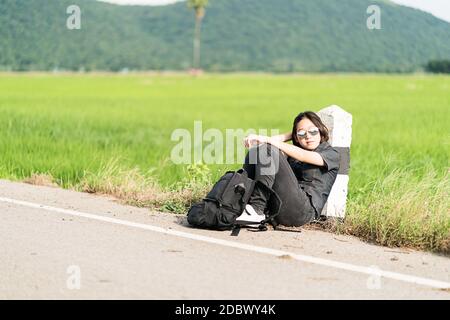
(61, 244)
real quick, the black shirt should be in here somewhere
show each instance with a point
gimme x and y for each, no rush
(317, 181)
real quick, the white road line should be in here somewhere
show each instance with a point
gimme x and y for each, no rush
(304, 258)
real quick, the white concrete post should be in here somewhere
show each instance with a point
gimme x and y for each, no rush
(339, 123)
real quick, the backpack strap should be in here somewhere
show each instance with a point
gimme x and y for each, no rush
(235, 231)
(257, 228)
(273, 210)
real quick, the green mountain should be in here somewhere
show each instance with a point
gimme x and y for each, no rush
(267, 35)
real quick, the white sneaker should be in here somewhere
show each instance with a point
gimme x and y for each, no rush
(250, 216)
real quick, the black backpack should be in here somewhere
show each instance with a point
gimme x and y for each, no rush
(227, 200)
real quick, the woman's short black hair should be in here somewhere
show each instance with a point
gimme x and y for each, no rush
(314, 118)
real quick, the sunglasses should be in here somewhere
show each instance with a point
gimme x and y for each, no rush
(302, 133)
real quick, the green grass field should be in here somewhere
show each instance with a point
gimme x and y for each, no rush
(111, 133)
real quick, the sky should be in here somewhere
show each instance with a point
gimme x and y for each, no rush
(440, 8)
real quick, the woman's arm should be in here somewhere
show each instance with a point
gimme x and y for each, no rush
(250, 139)
(297, 152)
(283, 137)
(289, 149)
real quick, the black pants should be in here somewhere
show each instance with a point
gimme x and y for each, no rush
(269, 165)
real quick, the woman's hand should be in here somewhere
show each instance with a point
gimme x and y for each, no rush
(254, 139)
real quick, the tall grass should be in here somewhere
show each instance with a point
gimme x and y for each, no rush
(111, 134)
(404, 209)
(142, 190)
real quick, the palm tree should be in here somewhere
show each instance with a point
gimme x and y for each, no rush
(199, 8)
